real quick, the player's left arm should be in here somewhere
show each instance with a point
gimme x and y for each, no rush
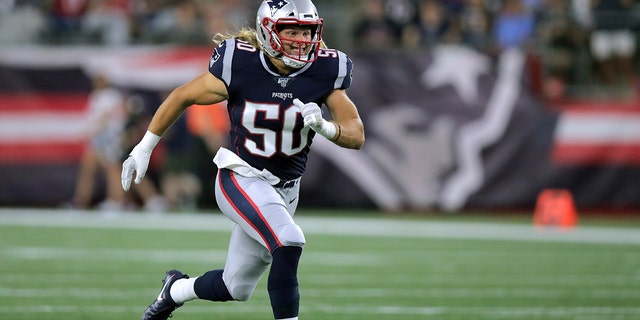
(344, 114)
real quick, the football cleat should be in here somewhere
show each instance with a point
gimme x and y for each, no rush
(164, 305)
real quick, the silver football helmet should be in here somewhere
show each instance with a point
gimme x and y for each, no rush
(273, 15)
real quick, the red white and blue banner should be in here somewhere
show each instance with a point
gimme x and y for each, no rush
(449, 129)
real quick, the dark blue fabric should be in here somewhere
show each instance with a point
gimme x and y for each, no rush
(283, 282)
(210, 286)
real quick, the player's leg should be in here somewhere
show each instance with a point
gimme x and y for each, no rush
(246, 262)
(267, 225)
(258, 209)
(283, 282)
(262, 213)
(247, 259)
(115, 195)
(83, 193)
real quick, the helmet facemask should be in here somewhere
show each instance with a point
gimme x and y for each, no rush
(307, 50)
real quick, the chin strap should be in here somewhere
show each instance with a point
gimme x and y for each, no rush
(292, 63)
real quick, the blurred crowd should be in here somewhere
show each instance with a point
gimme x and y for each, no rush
(579, 47)
(578, 44)
(118, 22)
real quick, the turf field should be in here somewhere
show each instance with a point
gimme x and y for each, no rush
(87, 265)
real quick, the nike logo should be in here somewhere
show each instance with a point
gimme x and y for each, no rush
(292, 200)
(160, 297)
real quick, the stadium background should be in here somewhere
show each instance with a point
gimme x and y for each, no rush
(452, 124)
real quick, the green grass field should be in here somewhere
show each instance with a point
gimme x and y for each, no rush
(73, 266)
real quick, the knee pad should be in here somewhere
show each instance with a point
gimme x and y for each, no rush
(291, 236)
(242, 283)
(243, 292)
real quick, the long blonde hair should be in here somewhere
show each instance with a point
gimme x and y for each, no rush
(245, 34)
(248, 35)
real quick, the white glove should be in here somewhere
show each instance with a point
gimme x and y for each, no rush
(312, 116)
(138, 160)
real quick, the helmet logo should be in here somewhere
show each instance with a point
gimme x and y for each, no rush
(214, 58)
(276, 5)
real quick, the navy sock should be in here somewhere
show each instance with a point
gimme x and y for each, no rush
(283, 282)
(210, 286)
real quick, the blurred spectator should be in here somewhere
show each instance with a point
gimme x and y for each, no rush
(400, 12)
(179, 179)
(225, 16)
(453, 7)
(561, 40)
(613, 43)
(103, 152)
(65, 20)
(475, 25)
(137, 121)
(411, 38)
(113, 126)
(180, 23)
(107, 22)
(581, 10)
(375, 29)
(142, 13)
(21, 21)
(514, 25)
(433, 22)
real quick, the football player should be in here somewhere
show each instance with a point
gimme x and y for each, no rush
(274, 78)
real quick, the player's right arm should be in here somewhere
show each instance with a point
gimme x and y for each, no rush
(205, 89)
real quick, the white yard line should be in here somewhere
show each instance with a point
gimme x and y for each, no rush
(492, 311)
(431, 293)
(495, 312)
(97, 254)
(366, 226)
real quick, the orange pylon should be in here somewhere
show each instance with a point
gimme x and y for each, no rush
(555, 207)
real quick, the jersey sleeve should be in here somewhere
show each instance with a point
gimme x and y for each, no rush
(221, 60)
(345, 71)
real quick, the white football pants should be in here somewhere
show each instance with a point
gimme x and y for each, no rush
(264, 222)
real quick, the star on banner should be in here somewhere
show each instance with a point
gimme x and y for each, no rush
(459, 67)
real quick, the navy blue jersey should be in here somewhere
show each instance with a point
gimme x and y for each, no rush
(266, 128)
